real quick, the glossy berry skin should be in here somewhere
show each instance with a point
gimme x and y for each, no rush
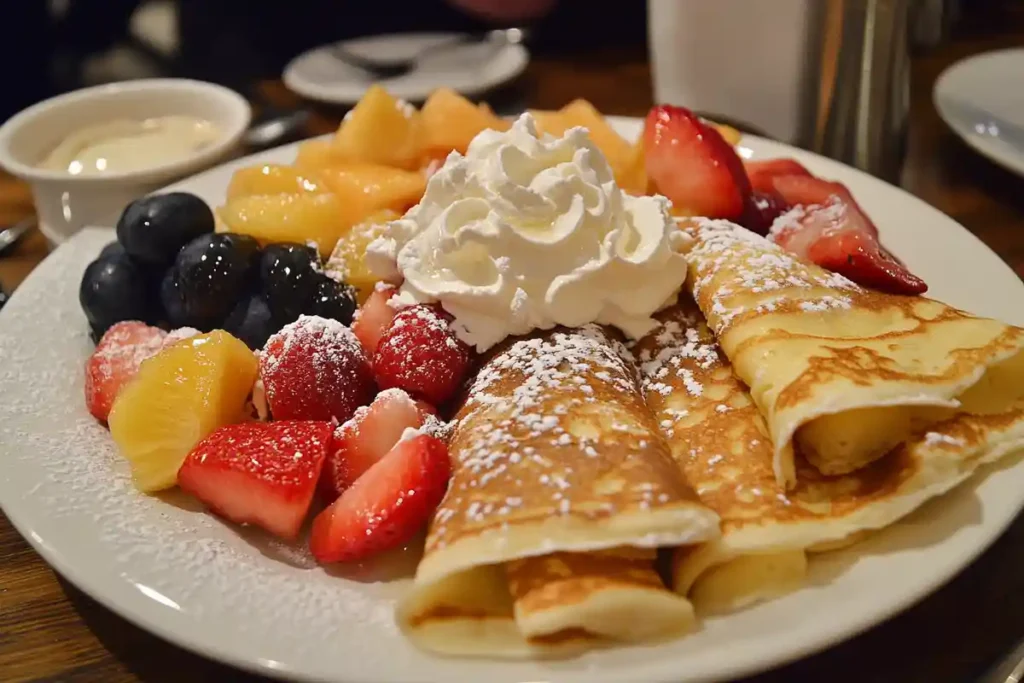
(210, 276)
(153, 229)
(333, 299)
(112, 249)
(251, 321)
(289, 276)
(113, 289)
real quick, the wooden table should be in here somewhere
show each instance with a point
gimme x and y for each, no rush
(51, 631)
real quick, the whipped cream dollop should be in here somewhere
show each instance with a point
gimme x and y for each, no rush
(527, 232)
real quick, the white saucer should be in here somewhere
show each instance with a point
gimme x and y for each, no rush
(982, 100)
(469, 69)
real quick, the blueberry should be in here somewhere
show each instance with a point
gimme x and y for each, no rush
(113, 289)
(333, 299)
(211, 274)
(289, 275)
(153, 229)
(112, 249)
(251, 321)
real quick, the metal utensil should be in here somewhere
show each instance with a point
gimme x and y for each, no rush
(276, 130)
(10, 235)
(381, 68)
(1009, 670)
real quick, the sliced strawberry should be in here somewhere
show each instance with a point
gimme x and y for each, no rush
(115, 361)
(315, 369)
(386, 506)
(764, 208)
(421, 354)
(374, 318)
(691, 164)
(367, 437)
(808, 190)
(836, 236)
(261, 473)
(762, 174)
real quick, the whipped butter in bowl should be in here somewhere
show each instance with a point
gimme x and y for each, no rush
(527, 232)
(124, 145)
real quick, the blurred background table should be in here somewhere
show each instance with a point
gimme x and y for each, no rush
(50, 631)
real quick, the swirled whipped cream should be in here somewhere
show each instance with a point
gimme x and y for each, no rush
(527, 232)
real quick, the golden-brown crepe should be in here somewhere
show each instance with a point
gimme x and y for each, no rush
(562, 488)
(720, 441)
(846, 373)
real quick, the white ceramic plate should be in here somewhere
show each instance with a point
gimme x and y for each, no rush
(982, 99)
(469, 69)
(235, 596)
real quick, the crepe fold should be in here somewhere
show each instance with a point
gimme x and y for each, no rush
(846, 373)
(721, 442)
(562, 490)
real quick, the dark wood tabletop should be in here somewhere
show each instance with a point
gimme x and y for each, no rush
(50, 631)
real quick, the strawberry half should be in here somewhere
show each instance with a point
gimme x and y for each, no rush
(762, 174)
(315, 369)
(367, 437)
(829, 229)
(690, 163)
(421, 354)
(386, 506)
(115, 361)
(374, 317)
(261, 473)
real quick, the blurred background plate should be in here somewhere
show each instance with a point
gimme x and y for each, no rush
(468, 68)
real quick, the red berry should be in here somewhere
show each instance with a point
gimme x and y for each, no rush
(315, 369)
(115, 361)
(690, 163)
(762, 173)
(374, 318)
(421, 354)
(261, 473)
(367, 437)
(386, 506)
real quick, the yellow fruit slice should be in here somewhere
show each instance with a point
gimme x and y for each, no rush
(380, 130)
(348, 260)
(450, 122)
(368, 188)
(273, 179)
(317, 153)
(176, 399)
(320, 218)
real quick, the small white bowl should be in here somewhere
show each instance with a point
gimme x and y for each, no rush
(66, 203)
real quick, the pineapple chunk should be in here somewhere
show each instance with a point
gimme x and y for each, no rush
(178, 397)
(317, 153)
(380, 130)
(320, 218)
(450, 122)
(273, 179)
(368, 188)
(348, 260)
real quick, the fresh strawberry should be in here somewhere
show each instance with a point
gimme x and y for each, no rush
(808, 190)
(367, 437)
(315, 369)
(115, 361)
(762, 174)
(386, 506)
(374, 317)
(421, 354)
(764, 208)
(261, 473)
(835, 235)
(691, 164)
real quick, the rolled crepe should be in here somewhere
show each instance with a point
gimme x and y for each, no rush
(847, 373)
(562, 488)
(720, 441)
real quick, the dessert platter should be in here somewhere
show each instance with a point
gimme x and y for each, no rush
(445, 396)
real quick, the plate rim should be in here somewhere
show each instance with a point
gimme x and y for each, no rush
(128, 604)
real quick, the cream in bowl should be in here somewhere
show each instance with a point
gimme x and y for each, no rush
(90, 152)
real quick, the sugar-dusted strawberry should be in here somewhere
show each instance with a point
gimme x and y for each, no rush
(763, 210)
(838, 237)
(762, 173)
(261, 473)
(691, 164)
(374, 317)
(315, 369)
(367, 437)
(807, 190)
(420, 353)
(386, 506)
(115, 361)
